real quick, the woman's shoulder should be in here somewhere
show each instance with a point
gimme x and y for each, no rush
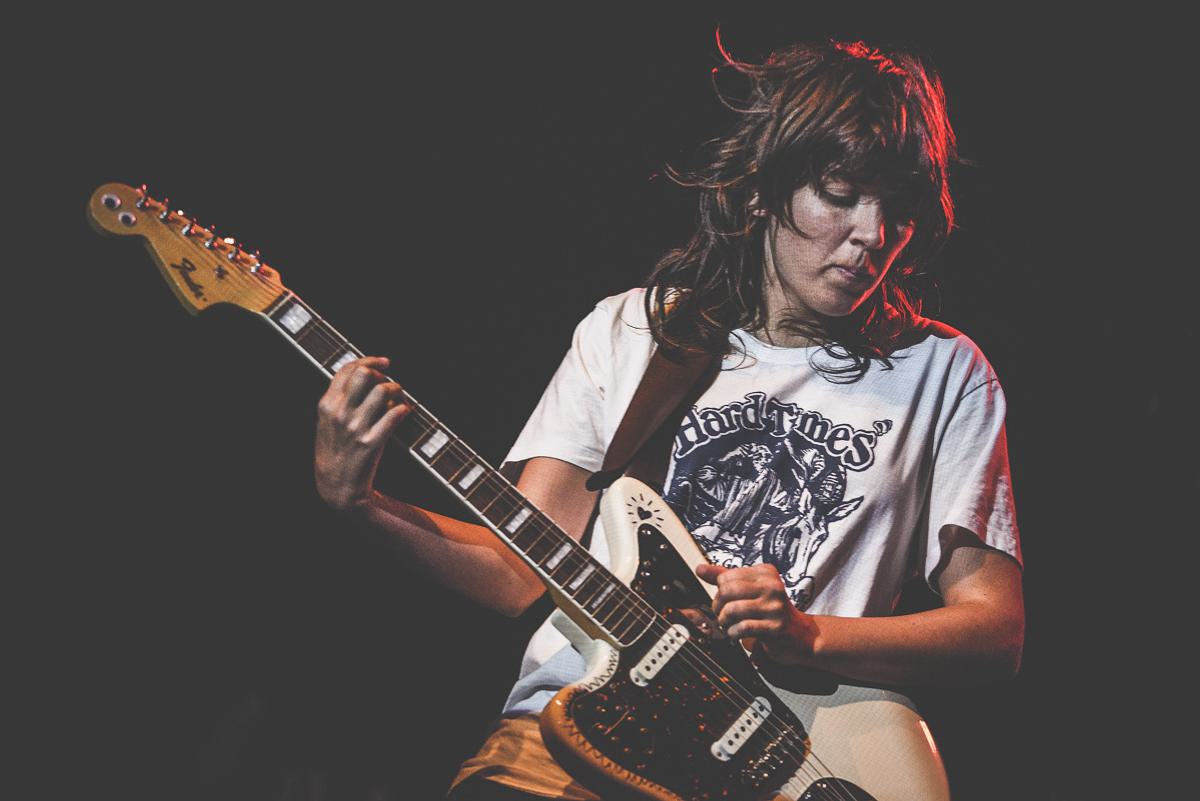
(629, 305)
(617, 323)
(623, 315)
(941, 343)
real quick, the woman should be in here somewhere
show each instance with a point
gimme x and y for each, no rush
(846, 444)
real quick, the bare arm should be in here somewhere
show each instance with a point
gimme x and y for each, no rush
(470, 559)
(975, 637)
(355, 417)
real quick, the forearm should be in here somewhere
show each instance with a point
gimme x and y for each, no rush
(967, 643)
(463, 557)
(975, 637)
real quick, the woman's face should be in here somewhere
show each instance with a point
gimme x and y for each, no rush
(850, 245)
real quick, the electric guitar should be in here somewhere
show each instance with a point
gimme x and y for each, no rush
(669, 708)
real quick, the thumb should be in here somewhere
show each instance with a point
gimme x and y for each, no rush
(709, 572)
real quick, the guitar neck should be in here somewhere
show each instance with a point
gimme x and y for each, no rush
(561, 562)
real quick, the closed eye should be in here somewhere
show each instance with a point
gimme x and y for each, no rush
(844, 201)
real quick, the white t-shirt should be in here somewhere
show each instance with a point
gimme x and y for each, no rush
(843, 487)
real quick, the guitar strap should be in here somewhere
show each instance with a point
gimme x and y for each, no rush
(641, 446)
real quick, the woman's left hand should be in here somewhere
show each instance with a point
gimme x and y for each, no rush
(753, 602)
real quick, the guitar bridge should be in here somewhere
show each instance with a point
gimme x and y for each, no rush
(774, 757)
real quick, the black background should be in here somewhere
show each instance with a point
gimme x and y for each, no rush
(455, 189)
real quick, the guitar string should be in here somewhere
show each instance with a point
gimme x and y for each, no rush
(689, 653)
(640, 608)
(807, 762)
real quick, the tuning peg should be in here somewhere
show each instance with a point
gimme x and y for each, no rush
(256, 266)
(187, 227)
(165, 214)
(142, 197)
(233, 254)
(212, 238)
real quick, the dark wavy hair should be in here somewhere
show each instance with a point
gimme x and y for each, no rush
(813, 112)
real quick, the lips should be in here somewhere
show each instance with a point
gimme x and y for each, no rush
(852, 272)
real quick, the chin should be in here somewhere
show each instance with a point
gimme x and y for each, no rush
(843, 309)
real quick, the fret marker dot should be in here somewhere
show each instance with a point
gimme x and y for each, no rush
(345, 359)
(295, 318)
(434, 444)
(517, 520)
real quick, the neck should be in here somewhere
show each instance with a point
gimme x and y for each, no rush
(785, 315)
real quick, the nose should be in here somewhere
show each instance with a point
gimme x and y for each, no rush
(868, 225)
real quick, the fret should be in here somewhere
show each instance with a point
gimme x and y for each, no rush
(622, 616)
(287, 309)
(321, 345)
(529, 536)
(451, 460)
(412, 428)
(636, 623)
(584, 569)
(500, 507)
(484, 496)
(283, 298)
(538, 540)
(570, 565)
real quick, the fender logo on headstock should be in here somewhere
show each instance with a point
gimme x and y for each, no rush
(186, 268)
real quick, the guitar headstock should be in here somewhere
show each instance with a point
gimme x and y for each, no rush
(202, 268)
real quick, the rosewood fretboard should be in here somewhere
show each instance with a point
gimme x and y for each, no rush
(559, 560)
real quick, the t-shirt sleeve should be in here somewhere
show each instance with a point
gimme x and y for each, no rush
(971, 483)
(568, 421)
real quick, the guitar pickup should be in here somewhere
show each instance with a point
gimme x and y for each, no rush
(659, 654)
(737, 734)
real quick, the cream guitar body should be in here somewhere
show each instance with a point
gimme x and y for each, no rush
(870, 738)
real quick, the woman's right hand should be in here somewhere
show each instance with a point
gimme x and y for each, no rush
(354, 418)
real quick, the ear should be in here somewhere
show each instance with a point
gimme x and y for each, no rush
(755, 211)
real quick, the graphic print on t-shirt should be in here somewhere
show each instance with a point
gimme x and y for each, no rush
(759, 480)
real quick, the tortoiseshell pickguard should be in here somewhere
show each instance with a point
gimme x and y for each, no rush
(664, 732)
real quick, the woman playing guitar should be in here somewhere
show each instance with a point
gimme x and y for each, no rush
(846, 444)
